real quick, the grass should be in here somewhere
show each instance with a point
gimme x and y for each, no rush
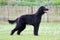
(29, 2)
(47, 31)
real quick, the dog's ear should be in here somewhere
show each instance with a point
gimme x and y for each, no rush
(41, 8)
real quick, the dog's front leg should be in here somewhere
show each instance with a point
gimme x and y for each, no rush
(36, 28)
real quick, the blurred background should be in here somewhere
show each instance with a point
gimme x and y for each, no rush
(10, 9)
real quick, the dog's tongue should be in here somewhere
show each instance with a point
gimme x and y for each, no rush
(46, 11)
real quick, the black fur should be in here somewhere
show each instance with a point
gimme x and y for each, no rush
(33, 19)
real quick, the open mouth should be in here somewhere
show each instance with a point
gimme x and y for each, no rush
(46, 10)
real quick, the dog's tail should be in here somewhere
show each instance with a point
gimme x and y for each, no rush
(12, 21)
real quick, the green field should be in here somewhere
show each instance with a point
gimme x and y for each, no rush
(47, 31)
(30, 2)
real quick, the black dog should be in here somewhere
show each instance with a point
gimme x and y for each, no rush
(34, 20)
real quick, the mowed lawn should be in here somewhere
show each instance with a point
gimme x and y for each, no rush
(47, 31)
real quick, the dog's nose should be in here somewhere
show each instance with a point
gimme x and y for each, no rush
(47, 9)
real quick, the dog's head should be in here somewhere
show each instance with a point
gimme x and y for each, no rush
(43, 9)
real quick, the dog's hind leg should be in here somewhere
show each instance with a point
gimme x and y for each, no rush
(15, 29)
(12, 32)
(21, 29)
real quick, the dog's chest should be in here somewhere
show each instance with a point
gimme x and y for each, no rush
(33, 20)
(37, 20)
